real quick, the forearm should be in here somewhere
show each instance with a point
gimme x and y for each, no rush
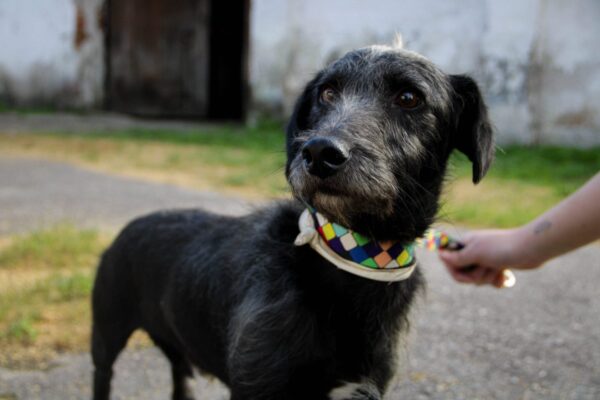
(572, 223)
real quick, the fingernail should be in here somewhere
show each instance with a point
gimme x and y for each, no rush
(509, 278)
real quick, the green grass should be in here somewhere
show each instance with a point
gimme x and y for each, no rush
(246, 159)
(523, 182)
(60, 247)
(59, 288)
(256, 153)
(264, 138)
(26, 111)
(46, 278)
(560, 168)
(21, 329)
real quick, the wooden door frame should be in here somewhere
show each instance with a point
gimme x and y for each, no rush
(216, 100)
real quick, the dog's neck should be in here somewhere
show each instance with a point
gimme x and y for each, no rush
(353, 252)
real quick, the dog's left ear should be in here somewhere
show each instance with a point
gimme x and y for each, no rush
(474, 135)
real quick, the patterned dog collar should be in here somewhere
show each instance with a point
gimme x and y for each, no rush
(352, 252)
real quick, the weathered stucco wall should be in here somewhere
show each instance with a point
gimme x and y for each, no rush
(538, 62)
(567, 57)
(51, 53)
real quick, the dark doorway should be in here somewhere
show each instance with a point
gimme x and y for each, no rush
(177, 58)
(229, 33)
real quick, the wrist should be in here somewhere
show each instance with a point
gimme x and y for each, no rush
(527, 248)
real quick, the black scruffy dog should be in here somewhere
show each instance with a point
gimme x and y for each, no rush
(367, 146)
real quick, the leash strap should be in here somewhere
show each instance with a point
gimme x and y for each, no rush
(361, 256)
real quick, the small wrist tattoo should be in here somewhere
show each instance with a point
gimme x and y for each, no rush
(542, 227)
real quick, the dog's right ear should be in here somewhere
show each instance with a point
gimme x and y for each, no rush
(299, 121)
(474, 134)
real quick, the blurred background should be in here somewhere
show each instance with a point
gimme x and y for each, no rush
(536, 60)
(110, 109)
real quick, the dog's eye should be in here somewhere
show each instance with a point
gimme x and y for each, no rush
(328, 94)
(408, 99)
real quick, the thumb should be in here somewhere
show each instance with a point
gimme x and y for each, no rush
(455, 258)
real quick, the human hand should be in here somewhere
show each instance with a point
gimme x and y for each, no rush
(486, 256)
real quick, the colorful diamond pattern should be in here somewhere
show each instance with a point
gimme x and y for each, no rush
(404, 258)
(361, 249)
(369, 262)
(328, 231)
(360, 239)
(383, 259)
(339, 230)
(348, 242)
(372, 248)
(395, 250)
(358, 254)
(336, 245)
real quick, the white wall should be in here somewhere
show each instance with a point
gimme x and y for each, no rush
(567, 54)
(40, 63)
(537, 61)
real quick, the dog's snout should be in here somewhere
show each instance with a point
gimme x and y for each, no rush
(323, 157)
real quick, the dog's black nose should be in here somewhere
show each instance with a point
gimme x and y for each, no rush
(323, 157)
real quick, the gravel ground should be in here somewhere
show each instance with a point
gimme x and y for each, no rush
(538, 340)
(14, 122)
(36, 193)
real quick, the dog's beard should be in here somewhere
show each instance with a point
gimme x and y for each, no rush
(367, 202)
(343, 198)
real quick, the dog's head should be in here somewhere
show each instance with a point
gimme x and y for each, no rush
(370, 137)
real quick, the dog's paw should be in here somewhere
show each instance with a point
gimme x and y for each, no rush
(355, 391)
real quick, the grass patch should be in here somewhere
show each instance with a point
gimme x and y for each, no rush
(26, 111)
(522, 183)
(561, 169)
(46, 280)
(230, 159)
(248, 161)
(21, 329)
(266, 136)
(60, 247)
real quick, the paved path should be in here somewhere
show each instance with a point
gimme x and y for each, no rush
(15, 122)
(36, 193)
(539, 340)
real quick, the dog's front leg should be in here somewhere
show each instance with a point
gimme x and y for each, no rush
(364, 390)
(272, 351)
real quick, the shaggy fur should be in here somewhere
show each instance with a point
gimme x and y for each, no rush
(235, 298)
